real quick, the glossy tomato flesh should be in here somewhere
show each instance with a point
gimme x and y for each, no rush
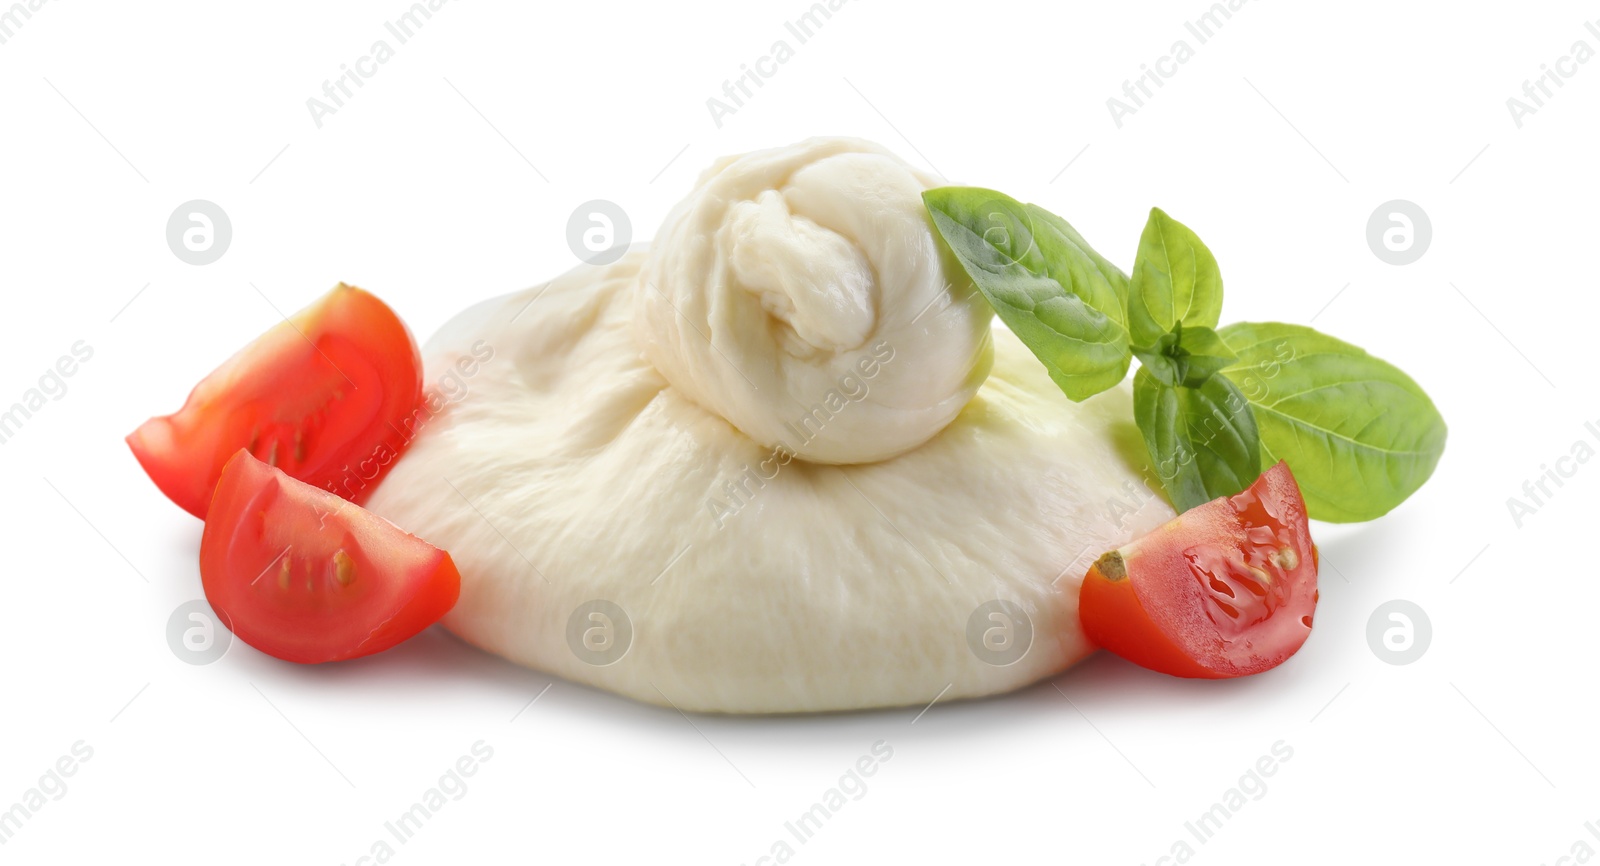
(325, 396)
(308, 577)
(1226, 589)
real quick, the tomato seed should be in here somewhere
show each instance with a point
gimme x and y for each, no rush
(344, 568)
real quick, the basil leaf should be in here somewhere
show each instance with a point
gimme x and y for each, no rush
(1118, 281)
(1063, 300)
(1203, 341)
(1206, 354)
(1175, 281)
(1162, 366)
(1185, 356)
(1203, 441)
(1203, 367)
(1359, 434)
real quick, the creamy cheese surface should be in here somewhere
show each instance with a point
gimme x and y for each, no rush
(769, 283)
(780, 461)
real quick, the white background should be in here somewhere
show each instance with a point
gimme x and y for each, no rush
(450, 177)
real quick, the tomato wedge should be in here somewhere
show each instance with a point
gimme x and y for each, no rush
(305, 576)
(323, 396)
(1226, 589)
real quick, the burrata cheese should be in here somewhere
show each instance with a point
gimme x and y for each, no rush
(783, 459)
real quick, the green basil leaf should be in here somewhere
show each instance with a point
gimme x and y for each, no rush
(1205, 353)
(1162, 366)
(1185, 356)
(1203, 441)
(1359, 434)
(1197, 340)
(1201, 368)
(1116, 306)
(1063, 300)
(1175, 281)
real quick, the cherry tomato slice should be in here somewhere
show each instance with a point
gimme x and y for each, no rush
(308, 577)
(325, 396)
(1226, 589)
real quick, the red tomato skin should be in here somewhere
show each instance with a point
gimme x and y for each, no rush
(318, 361)
(398, 586)
(1112, 617)
(156, 448)
(1143, 602)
